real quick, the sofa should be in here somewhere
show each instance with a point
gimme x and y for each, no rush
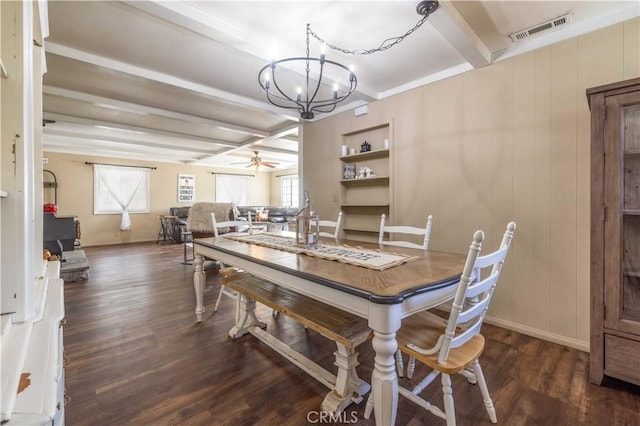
(202, 227)
(272, 214)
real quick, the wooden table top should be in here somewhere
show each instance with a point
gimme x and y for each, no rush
(433, 269)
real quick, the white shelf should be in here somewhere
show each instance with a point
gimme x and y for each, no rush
(377, 179)
(378, 153)
(4, 194)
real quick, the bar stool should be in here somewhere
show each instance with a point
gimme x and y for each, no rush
(187, 240)
(165, 235)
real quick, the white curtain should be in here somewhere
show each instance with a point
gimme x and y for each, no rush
(233, 189)
(119, 190)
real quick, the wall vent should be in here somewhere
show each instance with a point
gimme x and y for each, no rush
(545, 26)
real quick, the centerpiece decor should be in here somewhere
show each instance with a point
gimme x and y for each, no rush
(307, 224)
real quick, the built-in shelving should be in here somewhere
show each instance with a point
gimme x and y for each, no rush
(374, 179)
(378, 153)
(365, 205)
(365, 199)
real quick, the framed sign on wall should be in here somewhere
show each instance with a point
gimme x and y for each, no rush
(186, 188)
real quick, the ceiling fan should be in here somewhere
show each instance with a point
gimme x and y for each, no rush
(257, 161)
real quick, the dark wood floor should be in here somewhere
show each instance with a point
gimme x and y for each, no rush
(137, 357)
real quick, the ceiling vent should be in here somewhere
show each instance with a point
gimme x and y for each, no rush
(545, 26)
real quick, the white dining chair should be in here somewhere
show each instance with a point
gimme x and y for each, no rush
(394, 231)
(228, 227)
(454, 345)
(331, 224)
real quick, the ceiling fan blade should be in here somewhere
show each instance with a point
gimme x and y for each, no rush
(242, 162)
(267, 165)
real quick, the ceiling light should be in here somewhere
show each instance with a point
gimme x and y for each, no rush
(316, 94)
(316, 97)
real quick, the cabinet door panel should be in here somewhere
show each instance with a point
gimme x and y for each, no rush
(622, 199)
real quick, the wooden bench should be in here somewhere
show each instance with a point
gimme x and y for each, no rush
(347, 330)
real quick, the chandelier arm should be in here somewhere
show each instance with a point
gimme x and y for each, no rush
(315, 93)
(284, 95)
(317, 108)
(272, 95)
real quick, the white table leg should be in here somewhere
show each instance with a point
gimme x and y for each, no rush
(198, 285)
(245, 317)
(384, 380)
(385, 320)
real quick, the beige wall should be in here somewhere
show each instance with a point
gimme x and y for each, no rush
(75, 196)
(508, 141)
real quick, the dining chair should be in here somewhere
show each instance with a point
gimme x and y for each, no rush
(228, 227)
(393, 231)
(454, 345)
(331, 224)
(405, 231)
(232, 227)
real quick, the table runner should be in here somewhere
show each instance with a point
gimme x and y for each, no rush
(367, 258)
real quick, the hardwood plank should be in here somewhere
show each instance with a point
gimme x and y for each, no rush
(137, 357)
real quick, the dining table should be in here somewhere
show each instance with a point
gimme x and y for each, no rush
(383, 294)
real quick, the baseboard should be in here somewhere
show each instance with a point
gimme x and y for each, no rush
(540, 334)
(119, 243)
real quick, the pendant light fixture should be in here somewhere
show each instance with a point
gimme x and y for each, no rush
(315, 94)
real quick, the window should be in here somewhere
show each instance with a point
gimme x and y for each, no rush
(232, 189)
(289, 190)
(119, 190)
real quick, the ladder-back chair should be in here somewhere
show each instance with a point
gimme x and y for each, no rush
(453, 345)
(406, 230)
(228, 226)
(331, 224)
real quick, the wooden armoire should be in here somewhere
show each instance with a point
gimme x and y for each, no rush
(615, 231)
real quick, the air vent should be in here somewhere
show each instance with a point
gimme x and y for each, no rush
(545, 26)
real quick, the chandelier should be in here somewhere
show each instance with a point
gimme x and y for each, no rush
(315, 94)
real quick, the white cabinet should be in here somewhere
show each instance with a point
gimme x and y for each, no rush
(33, 361)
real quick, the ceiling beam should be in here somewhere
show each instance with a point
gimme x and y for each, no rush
(101, 101)
(120, 140)
(209, 26)
(108, 63)
(93, 122)
(453, 28)
(113, 153)
(136, 108)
